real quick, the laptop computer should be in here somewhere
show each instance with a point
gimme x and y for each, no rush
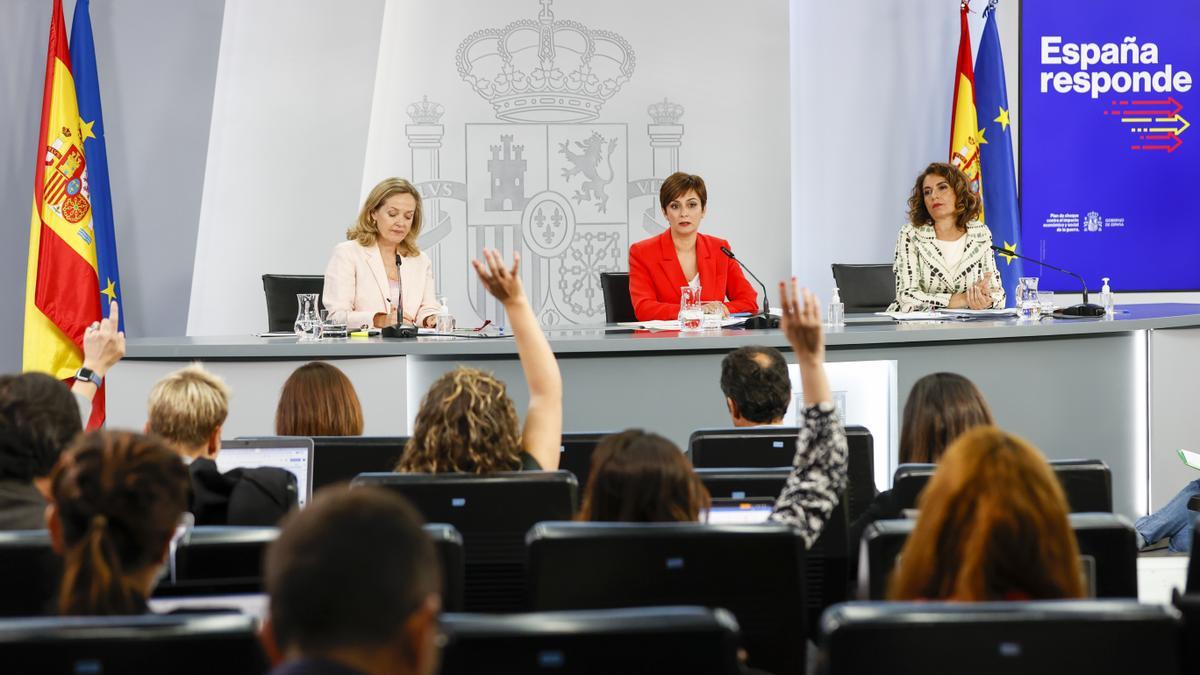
(725, 511)
(291, 453)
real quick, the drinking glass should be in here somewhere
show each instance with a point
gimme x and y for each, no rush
(1028, 305)
(712, 316)
(691, 310)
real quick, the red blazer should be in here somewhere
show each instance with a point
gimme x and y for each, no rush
(655, 277)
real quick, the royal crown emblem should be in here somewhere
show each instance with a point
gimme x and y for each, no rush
(545, 70)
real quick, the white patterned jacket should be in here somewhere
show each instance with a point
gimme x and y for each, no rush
(924, 279)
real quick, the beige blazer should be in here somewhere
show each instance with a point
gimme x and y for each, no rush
(924, 279)
(356, 285)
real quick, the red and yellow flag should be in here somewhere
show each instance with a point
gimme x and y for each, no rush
(62, 293)
(965, 134)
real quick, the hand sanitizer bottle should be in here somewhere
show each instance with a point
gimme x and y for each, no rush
(1106, 298)
(837, 310)
(445, 320)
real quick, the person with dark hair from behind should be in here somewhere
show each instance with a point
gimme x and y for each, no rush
(353, 583)
(756, 385)
(643, 477)
(318, 400)
(940, 408)
(39, 417)
(116, 498)
(187, 408)
(993, 526)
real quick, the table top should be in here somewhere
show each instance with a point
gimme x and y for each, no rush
(615, 339)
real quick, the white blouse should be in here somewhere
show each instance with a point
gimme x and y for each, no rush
(952, 251)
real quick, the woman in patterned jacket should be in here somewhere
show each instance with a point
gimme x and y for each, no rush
(943, 255)
(641, 477)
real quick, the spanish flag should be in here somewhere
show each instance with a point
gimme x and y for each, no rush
(62, 293)
(965, 134)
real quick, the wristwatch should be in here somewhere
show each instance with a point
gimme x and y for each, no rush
(89, 375)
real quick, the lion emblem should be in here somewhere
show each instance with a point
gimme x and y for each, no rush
(587, 162)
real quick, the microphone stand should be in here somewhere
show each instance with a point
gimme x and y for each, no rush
(1074, 311)
(399, 329)
(764, 319)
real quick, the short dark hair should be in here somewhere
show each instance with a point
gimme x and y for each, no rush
(639, 477)
(677, 185)
(760, 392)
(38, 418)
(348, 570)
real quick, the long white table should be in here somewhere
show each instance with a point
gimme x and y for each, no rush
(1121, 389)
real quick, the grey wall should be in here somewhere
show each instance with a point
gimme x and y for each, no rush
(157, 65)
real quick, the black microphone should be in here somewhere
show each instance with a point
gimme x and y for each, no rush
(763, 320)
(1084, 309)
(399, 329)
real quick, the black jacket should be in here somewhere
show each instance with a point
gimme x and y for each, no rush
(259, 496)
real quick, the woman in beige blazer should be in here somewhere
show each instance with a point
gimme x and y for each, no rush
(943, 255)
(363, 283)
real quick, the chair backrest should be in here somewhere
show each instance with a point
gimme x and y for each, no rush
(449, 545)
(1087, 484)
(281, 290)
(31, 573)
(341, 458)
(1108, 540)
(151, 643)
(1189, 609)
(754, 571)
(634, 640)
(1193, 575)
(865, 288)
(575, 453)
(618, 307)
(493, 513)
(768, 447)
(739, 483)
(991, 638)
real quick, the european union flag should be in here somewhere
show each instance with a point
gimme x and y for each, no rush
(1000, 178)
(87, 91)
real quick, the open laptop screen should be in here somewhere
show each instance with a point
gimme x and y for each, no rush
(293, 454)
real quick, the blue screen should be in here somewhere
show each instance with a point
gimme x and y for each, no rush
(1108, 168)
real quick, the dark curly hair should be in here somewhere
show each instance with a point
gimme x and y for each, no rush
(967, 204)
(760, 390)
(38, 418)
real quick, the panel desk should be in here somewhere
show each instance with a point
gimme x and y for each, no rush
(1122, 390)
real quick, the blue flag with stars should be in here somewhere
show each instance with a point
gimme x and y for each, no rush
(91, 124)
(996, 156)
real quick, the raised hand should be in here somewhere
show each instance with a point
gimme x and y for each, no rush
(500, 281)
(801, 322)
(103, 344)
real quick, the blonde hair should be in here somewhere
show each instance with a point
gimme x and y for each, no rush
(992, 526)
(187, 405)
(365, 231)
(467, 423)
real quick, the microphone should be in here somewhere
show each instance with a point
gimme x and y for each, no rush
(1084, 309)
(763, 320)
(399, 329)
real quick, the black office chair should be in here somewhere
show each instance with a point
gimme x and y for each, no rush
(449, 545)
(1189, 610)
(754, 571)
(217, 560)
(31, 574)
(618, 307)
(764, 447)
(493, 513)
(575, 453)
(649, 640)
(1087, 484)
(1106, 543)
(281, 290)
(1193, 575)
(341, 458)
(151, 643)
(865, 288)
(1098, 637)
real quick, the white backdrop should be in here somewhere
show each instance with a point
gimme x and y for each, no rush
(722, 70)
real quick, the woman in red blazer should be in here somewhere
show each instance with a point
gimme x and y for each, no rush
(661, 265)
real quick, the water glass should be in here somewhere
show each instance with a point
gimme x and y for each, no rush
(1028, 304)
(713, 316)
(691, 310)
